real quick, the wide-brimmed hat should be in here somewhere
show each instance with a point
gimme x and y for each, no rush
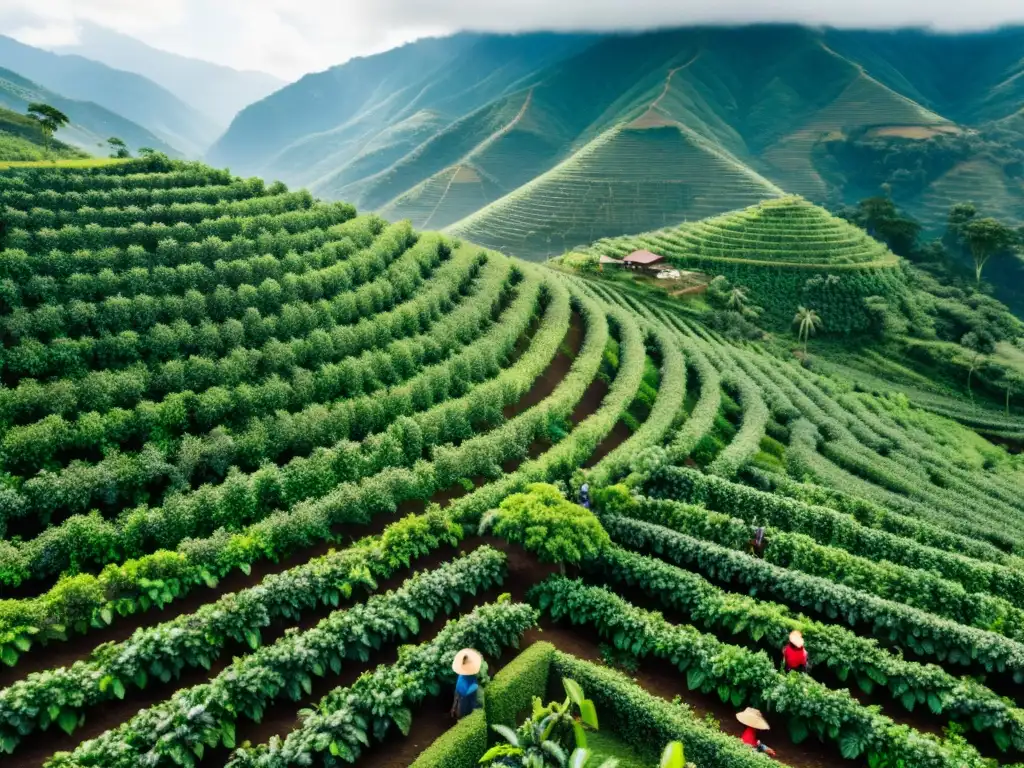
(753, 718)
(796, 638)
(467, 662)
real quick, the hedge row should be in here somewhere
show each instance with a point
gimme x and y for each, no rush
(850, 657)
(25, 287)
(160, 653)
(76, 603)
(740, 676)
(912, 546)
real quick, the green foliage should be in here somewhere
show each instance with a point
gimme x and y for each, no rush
(584, 263)
(194, 640)
(521, 681)
(646, 722)
(784, 253)
(553, 735)
(50, 120)
(739, 676)
(461, 746)
(853, 659)
(545, 523)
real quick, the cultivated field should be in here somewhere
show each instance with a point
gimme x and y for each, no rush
(787, 251)
(248, 439)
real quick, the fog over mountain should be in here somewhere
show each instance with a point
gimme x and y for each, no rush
(288, 39)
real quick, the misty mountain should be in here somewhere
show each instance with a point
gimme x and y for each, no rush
(493, 134)
(217, 91)
(130, 95)
(91, 125)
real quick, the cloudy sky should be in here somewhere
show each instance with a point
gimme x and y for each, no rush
(290, 37)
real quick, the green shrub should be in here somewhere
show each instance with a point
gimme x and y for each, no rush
(647, 723)
(542, 521)
(461, 746)
(512, 690)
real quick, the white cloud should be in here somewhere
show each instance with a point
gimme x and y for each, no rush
(290, 37)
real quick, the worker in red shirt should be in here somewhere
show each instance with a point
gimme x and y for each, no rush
(755, 722)
(794, 655)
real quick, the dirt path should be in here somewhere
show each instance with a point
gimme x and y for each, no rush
(620, 433)
(556, 370)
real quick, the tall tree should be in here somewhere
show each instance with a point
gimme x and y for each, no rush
(50, 120)
(1013, 383)
(118, 148)
(986, 238)
(975, 346)
(808, 322)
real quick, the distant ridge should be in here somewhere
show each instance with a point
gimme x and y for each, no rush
(91, 125)
(124, 93)
(217, 91)
(508, 138)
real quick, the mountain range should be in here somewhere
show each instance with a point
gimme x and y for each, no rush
(111, 84)
(535, 143)
(217, 92)
(91, 124)
(127, 94)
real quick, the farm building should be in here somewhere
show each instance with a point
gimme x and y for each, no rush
(609, 261)
(644, 260)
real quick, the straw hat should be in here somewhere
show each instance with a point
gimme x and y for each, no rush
(752, 717)
(467, 662)
(796, 638)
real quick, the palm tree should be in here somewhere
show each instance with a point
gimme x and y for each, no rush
(50, 120)
(809, 322)
(737, 298)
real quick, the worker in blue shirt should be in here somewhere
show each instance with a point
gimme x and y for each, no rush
(466, 665)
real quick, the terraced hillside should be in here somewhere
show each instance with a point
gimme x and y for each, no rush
(646, 174)
(788, 252)
(538, 143)
(247, 439)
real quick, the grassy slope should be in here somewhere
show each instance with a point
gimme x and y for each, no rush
(630, 179)
(90, 125)
(21, 140)
(785, 252)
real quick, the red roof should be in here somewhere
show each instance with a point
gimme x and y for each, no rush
(643, 257)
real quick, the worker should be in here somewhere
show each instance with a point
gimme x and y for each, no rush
(466, 665)
(759, 542)
(585, 495)
(794, 655)
(755, 722)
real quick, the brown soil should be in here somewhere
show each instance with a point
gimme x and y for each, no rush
(590, 401)
(555, 372)
(620, 433)
(693, 290)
